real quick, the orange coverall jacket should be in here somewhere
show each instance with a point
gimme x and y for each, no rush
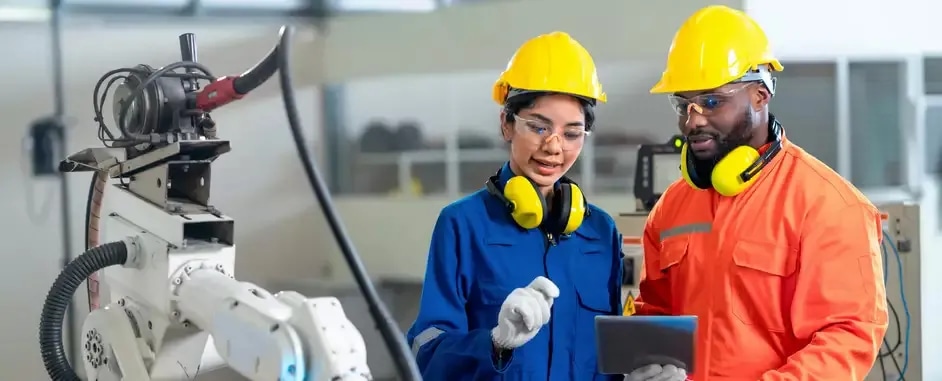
(785, 278)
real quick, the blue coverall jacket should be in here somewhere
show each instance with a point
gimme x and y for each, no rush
(478, 255)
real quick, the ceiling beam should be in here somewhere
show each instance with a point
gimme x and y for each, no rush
(312, 9)
(307, 11)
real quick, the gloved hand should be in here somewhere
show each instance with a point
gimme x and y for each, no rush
(656, 372)
(523, 313)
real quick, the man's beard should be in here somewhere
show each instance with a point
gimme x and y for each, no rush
(739, 135)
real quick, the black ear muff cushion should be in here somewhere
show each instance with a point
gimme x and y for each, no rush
(562, 205)
(698, 179)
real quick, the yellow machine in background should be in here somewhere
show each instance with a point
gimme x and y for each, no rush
(901, 354)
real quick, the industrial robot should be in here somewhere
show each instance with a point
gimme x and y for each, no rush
(167, 255)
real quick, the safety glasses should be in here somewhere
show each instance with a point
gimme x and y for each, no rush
(704, 104)
(537, 132)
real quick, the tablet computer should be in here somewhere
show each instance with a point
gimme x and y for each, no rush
(626, 343)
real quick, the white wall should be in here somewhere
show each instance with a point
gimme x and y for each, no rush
(931, 301)
(484, 36)
(834, 28)
(257, 183)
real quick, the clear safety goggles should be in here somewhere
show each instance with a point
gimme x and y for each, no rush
(537, 132)
(703, 104)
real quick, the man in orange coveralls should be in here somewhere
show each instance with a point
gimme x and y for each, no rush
(777, 255)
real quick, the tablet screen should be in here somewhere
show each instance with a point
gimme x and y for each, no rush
(626, 343)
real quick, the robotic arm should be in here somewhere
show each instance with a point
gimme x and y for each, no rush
(265, 337)
(178, 311)
(176, 308)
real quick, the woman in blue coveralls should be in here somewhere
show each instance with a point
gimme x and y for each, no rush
(506, 258)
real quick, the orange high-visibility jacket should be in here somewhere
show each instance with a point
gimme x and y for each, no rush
(786, 278)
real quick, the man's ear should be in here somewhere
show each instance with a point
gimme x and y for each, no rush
(761, 97)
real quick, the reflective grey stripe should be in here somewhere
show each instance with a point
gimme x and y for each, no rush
(429, 334)
(700, 227)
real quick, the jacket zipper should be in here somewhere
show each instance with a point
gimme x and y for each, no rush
(549, 243)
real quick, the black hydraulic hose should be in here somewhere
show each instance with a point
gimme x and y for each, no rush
(258, 74)
(59, 299)
(395, 340)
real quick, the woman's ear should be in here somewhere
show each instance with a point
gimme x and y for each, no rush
(506, 128)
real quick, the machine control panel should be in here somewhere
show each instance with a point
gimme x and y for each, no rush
(658, 166)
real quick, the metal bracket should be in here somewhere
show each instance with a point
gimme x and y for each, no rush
(177, 186)
(184, 150)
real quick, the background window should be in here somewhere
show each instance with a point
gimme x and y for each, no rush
(806, 103)
(876, 92)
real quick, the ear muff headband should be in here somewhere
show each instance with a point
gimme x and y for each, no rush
(736, 171)
(528, 207)
(577, 209)
(561, 206)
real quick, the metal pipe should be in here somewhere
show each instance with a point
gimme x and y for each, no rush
(58, 86)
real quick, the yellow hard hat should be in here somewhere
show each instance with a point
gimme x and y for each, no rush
(716, 46)
(553, 62)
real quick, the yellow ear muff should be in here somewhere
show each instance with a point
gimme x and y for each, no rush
(577, 207)
(727, 174)
(528, 208)
(684, 168)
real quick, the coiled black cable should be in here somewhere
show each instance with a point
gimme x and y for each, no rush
(392, 335)
(54, 355)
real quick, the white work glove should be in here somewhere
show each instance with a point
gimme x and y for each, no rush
(523, 313)
(656, 372)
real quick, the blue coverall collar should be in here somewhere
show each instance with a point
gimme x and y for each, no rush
(505, 174)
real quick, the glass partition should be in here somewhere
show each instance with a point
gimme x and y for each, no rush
(806, 103)
(933, 142)
(876, 93)
(932, 75)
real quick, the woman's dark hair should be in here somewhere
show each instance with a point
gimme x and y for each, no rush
(524, 101)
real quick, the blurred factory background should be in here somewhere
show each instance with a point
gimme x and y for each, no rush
(395, 97)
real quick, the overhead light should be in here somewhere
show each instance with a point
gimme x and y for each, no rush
(24, 14)
(384, 5)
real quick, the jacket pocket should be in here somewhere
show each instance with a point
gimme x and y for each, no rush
(592, 271)
(758, 283)
(483, 306)
(492, 293)
(593, 291)
(672, 253)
